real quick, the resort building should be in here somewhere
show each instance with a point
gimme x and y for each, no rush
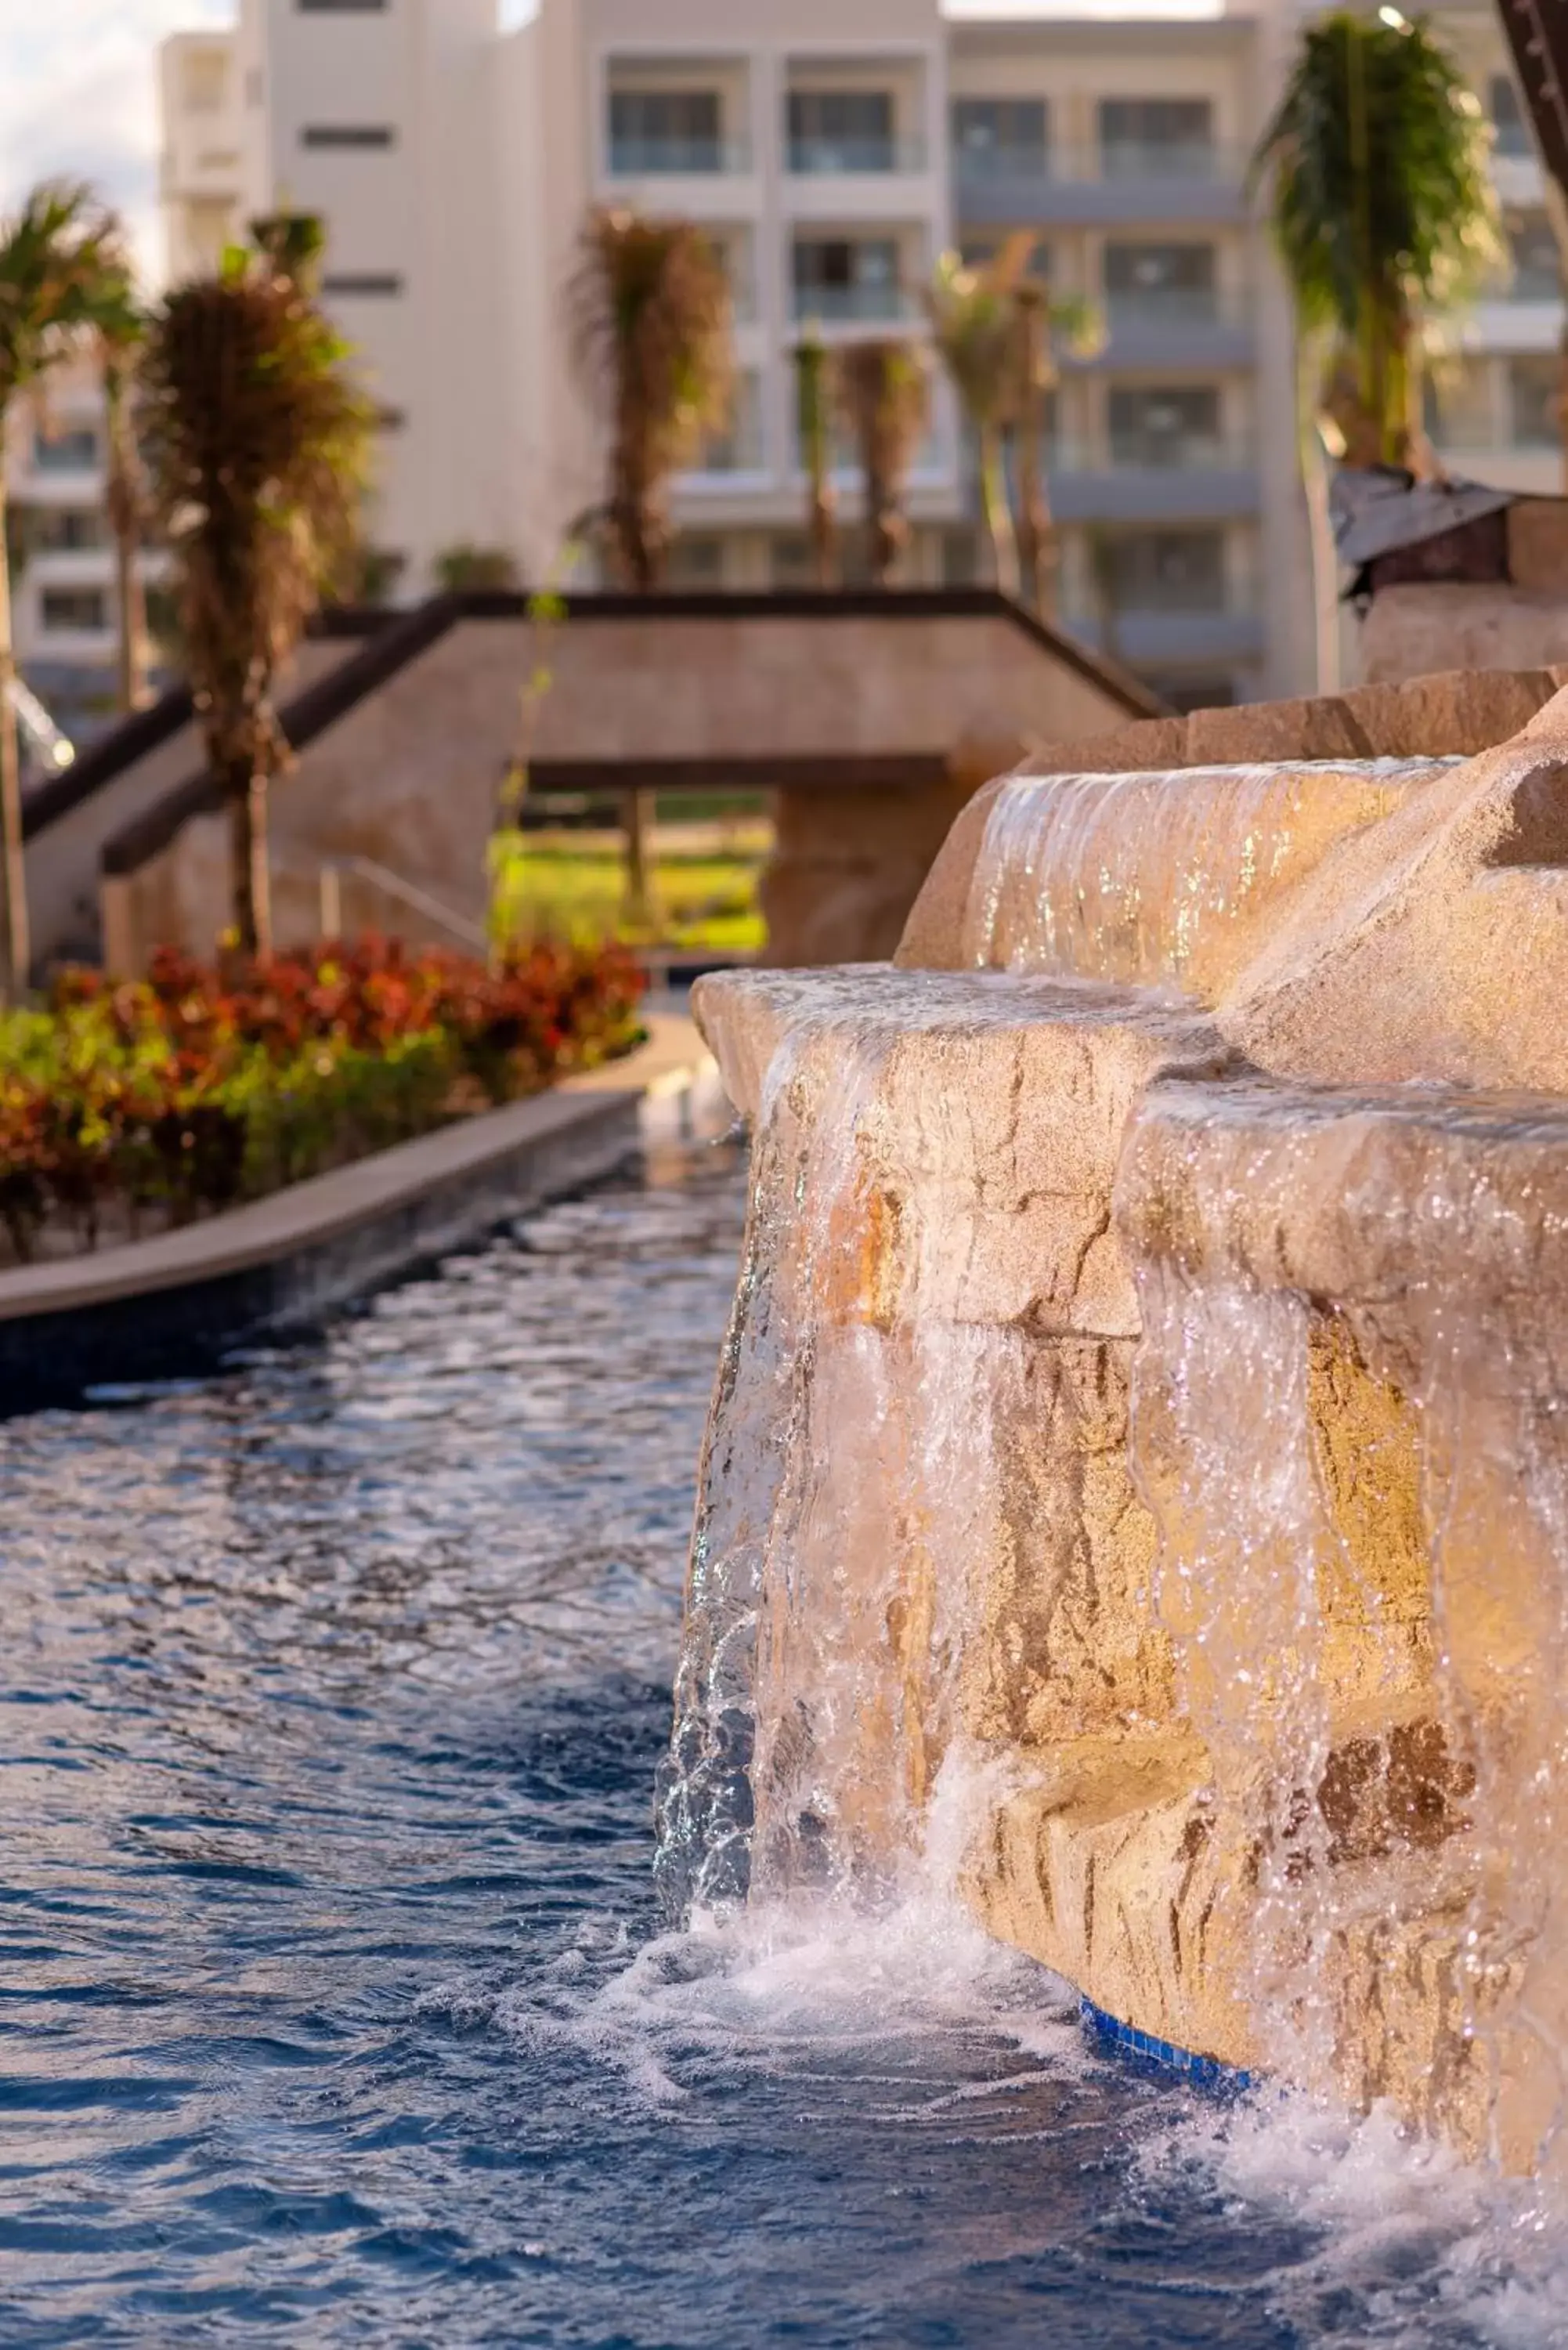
(833, 149)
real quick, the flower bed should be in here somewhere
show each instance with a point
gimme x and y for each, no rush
(126, 1109)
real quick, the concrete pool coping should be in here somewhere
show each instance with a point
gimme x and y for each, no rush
(178, 1301)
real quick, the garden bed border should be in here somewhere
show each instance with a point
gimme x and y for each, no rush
(174, 1305)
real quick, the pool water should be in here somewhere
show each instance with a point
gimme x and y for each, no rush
(335, 2009)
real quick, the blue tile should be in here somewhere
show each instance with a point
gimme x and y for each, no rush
(1204, 2072)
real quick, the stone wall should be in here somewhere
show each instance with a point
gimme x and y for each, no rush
(409, 777)
(1165, 1404)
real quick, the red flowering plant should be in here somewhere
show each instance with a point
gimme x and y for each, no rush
(185, 1092)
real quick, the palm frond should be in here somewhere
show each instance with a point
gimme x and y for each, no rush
(649, 316)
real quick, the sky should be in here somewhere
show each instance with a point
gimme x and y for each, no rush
(77, 85)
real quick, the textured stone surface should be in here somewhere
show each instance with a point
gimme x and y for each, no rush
(1178, 1438)
(1412, 630)
(409, 778)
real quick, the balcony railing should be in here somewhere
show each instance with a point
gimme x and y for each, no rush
(1148, 162)
(1160, 453)
(817, 157)
(1171, 306)
(832, 306)
(638, 159)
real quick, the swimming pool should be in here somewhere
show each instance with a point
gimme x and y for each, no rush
(335, 2009)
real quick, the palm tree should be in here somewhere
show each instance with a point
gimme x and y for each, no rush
(1382, 203)
(295, 245)
(812, 380)
(1039, 322)
(257, 439)
(53, 252)
(882, 391)
(651, 335)
(975, 327)
(651, 322)
(119, 333)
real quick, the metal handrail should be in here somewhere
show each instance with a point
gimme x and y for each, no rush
(472, 933)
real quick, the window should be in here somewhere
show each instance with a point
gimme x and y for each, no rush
(696, 561)
(1534, 392)
(65, 530)
(994, 135)
(1507, 118)
(666, 130)
(1162, 283)
(974, 251)
(205, 81)
(1165, 425)
(349, 134)
(1169, 571)
(72, 449)
(736, 447)
(1155, 137)
(841, 130)
(1183, 694)
(1457, 398)
(62, 609)
(847, 277)
(367, 282)
(1537, 266)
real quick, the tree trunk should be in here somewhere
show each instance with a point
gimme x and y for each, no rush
(122, 503)
(1037, 532)
(811, 384)
(13, 868)
(995, 509)
(250, 870)
(641, 896)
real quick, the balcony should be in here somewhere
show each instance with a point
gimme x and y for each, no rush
(1175, 326)
(696, 159)
(1188, 184)
(1152, 639)
(818, 158)
(852, 305)
(1154, 480)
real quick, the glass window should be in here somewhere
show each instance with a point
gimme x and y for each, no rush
(1154, 424)
(1146, 138)
(1169, 571)
(1000, 134)
(64, 608)
(72, 449)
(1507, 118)
(1534, 394)
(1457, 399)
(348, 134)
(696, 561)
(66, 530)
(847, 277)
(666, 130)
(1160, 281)
(1532, 249)
(841, 131)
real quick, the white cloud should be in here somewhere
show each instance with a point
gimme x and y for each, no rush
(77, 97)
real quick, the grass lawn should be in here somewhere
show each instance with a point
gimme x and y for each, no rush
(572, 885)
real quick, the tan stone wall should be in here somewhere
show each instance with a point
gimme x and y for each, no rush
(409, 778)
(1448, 623)
(63, 879)
(1175, 1433)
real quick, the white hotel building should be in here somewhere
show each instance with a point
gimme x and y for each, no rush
(834, 147)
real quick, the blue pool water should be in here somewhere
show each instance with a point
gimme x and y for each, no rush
(334, 2008)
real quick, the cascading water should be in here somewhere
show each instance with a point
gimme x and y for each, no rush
(1250, 1697)
(1159, 879)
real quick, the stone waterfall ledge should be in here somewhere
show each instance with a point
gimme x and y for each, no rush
(175, 1304)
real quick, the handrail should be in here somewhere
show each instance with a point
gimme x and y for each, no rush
(382, 876)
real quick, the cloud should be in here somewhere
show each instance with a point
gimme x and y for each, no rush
(78, 98)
